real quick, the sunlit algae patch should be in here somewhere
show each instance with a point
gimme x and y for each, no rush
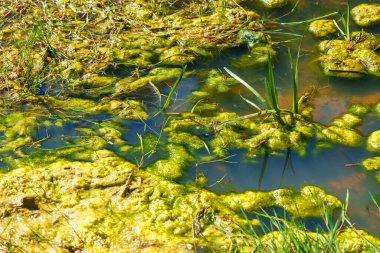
(112, 206)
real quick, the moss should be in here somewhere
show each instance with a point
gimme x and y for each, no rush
(342, 135)
(351, 59)
(372, 163)
(373, 142)
(322, 27)
(366, 14)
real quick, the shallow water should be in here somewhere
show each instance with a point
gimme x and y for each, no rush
(332, 169)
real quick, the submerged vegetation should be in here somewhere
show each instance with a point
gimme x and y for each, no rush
(97, 141)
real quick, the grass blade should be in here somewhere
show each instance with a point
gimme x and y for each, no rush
(348, 20)
(174, 88)
(249, 87)
(294, 70)
(251, 103)
(159, 96)
(263, 168)
(272, 86)
(310, 20)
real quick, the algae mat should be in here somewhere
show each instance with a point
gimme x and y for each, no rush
(110, 205)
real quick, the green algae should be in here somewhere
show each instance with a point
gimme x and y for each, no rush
(162, 216)
(19, 124)
(342, 135)
(296, 203)
(150, 38)
(256, 135)
(90, 81)
(175, 165)
(260, 49)
(348, 120)
(371, 163)
(128, 109)
(322, 27)
(366, 14)
(219, 82)
(157, 75)
(359, 109)
(184, 138)
(110, 205)
(373, 142)
(274, 3)
(351, 58)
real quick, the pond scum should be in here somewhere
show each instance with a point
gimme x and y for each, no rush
(66, 65)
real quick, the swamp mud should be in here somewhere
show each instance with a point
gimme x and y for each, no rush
(186, 126)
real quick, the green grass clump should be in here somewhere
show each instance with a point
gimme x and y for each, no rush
(285, 234)
(271, 102)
